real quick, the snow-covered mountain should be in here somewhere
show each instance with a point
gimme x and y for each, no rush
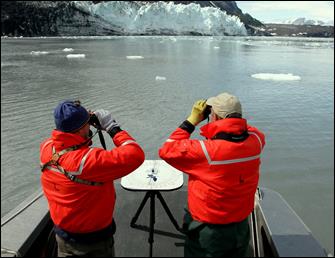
(305, 21)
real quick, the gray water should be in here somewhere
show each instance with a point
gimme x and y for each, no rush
(296, 116)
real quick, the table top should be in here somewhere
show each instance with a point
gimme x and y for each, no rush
(153, 175)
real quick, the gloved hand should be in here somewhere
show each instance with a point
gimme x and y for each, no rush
(106, 120)
(197, 114)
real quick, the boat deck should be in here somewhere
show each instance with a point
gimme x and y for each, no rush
(276, 230)
(131, 242)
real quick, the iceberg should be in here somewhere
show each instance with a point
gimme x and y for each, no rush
(276, 76)
(68, 49)
(135, 57)
(37, 53)
(75, 56)
(160, 78)
(164, 18)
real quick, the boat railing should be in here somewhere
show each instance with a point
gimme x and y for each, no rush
(277, 231)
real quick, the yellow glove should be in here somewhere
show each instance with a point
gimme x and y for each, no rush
(197, 112)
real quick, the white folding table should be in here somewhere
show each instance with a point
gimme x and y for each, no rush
(153, 176)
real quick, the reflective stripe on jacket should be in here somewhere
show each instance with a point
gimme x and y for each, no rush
(223, 175)
(80, 208)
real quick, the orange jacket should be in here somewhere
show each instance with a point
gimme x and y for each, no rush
(80, 208)
(223, 175)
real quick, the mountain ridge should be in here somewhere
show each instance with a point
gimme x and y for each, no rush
(66, 18)
(46, 18)
(306, 21)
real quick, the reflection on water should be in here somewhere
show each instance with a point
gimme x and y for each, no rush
(296, 116)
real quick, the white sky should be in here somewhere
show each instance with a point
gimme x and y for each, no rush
(275, 11)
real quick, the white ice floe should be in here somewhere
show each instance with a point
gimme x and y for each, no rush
(276, 76)
(76, 56)
(37, 53)
(160, 78)
(168, 39)
(68, 49)
(216, 47)
(135, 57)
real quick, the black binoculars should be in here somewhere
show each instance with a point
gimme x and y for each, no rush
(207, 111)
(94, 121)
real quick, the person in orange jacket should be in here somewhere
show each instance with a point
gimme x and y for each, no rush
(78, 180)
(223, 172)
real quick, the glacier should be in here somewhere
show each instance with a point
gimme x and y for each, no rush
(164, 18)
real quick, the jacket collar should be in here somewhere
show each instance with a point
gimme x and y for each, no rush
(62, 140)
(229, 125)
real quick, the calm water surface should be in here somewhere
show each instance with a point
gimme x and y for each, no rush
(296, 116)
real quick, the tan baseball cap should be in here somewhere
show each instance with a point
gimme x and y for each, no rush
(225, 104)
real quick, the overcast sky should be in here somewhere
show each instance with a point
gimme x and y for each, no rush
(276, 11)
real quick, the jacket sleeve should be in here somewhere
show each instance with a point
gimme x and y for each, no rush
(259, 133)
(181, 152)
(105, 165)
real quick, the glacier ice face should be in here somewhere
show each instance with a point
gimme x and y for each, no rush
(165, 18)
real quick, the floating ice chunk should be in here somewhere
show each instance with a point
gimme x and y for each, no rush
(135, 57)
(169, 39)
(75, 56)
(160, 78)
(276, 76)
(216, 47)
(13, 64)
(37, 53)
(68, 49)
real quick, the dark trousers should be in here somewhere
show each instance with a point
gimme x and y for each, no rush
(213, 240)
(104, 248)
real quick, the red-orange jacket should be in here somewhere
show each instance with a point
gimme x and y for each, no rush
(81, 208)
(223, 175)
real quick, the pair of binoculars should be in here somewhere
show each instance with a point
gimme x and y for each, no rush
(94, 121)
(207, 111)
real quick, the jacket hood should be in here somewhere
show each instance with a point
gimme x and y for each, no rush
(229, 125)
(62, 140)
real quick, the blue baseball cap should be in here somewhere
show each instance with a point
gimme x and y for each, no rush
(70, 116)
